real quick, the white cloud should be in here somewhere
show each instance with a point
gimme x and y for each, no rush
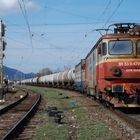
(12, 6)
(7, 3)
(31, 5)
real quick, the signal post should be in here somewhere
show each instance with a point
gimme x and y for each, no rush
(2, 48)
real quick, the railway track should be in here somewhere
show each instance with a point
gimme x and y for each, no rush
(16, 115)
(130, 117)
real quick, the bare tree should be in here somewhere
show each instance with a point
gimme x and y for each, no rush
(44, 71)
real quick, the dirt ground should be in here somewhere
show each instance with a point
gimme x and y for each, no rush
(120, 129)
(84, 119)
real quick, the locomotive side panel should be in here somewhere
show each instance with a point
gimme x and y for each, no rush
(80, 76)
(91, 72)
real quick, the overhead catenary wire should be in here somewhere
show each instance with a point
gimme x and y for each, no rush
(113, 13)
(105, 10)
(70, 13)
(22, 6)
(100, 16)
(106, 7)
(24, 13)
(109, 18)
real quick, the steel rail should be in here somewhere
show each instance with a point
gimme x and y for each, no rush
(10, 106)
(17, 127)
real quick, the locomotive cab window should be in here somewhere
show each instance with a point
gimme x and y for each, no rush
(120, 47)
(138, 47)
(102, 49)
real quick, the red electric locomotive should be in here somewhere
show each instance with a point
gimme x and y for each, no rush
(113, 67)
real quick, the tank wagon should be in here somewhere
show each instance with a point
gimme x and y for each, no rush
(60, 83)
(35, 80)
(63, 79)
(111, 70)
(41, 80)
(49, 80)
(26, 81)
(68, 78)
(55, 79)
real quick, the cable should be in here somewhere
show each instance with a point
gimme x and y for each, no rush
(104, 11)
(115, 10)
(73, 14)
(24, 13)
(57, 24)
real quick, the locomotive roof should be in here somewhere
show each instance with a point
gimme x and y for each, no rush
(113, 36)
(119, 35)
(121, 30)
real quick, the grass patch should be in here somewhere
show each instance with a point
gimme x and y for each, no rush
(51, 131)
(87, 129)
(94, 131)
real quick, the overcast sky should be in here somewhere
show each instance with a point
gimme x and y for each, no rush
(51, 33)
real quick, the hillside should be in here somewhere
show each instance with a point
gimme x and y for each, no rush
(14, 74)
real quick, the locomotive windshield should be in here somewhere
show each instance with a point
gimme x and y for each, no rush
(120, 47)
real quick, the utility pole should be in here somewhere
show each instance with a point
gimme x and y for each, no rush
(2, 48)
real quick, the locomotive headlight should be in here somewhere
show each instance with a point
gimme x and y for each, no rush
(116, 71)
(108, 88)
(137, 33)
(131, 33)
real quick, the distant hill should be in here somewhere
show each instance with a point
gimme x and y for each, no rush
(14, 74)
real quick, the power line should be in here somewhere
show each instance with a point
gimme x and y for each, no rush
(115, 10)
(76, 57)
(101, 15)
(66, 12)
(24, 13)
(113, 13)
(57, 24)
(104, 11)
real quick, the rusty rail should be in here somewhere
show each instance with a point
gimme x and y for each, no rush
(13, 119)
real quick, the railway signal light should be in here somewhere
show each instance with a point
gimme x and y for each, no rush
(4, 45)
(2, 29)
(2, 48)
(1, 53)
